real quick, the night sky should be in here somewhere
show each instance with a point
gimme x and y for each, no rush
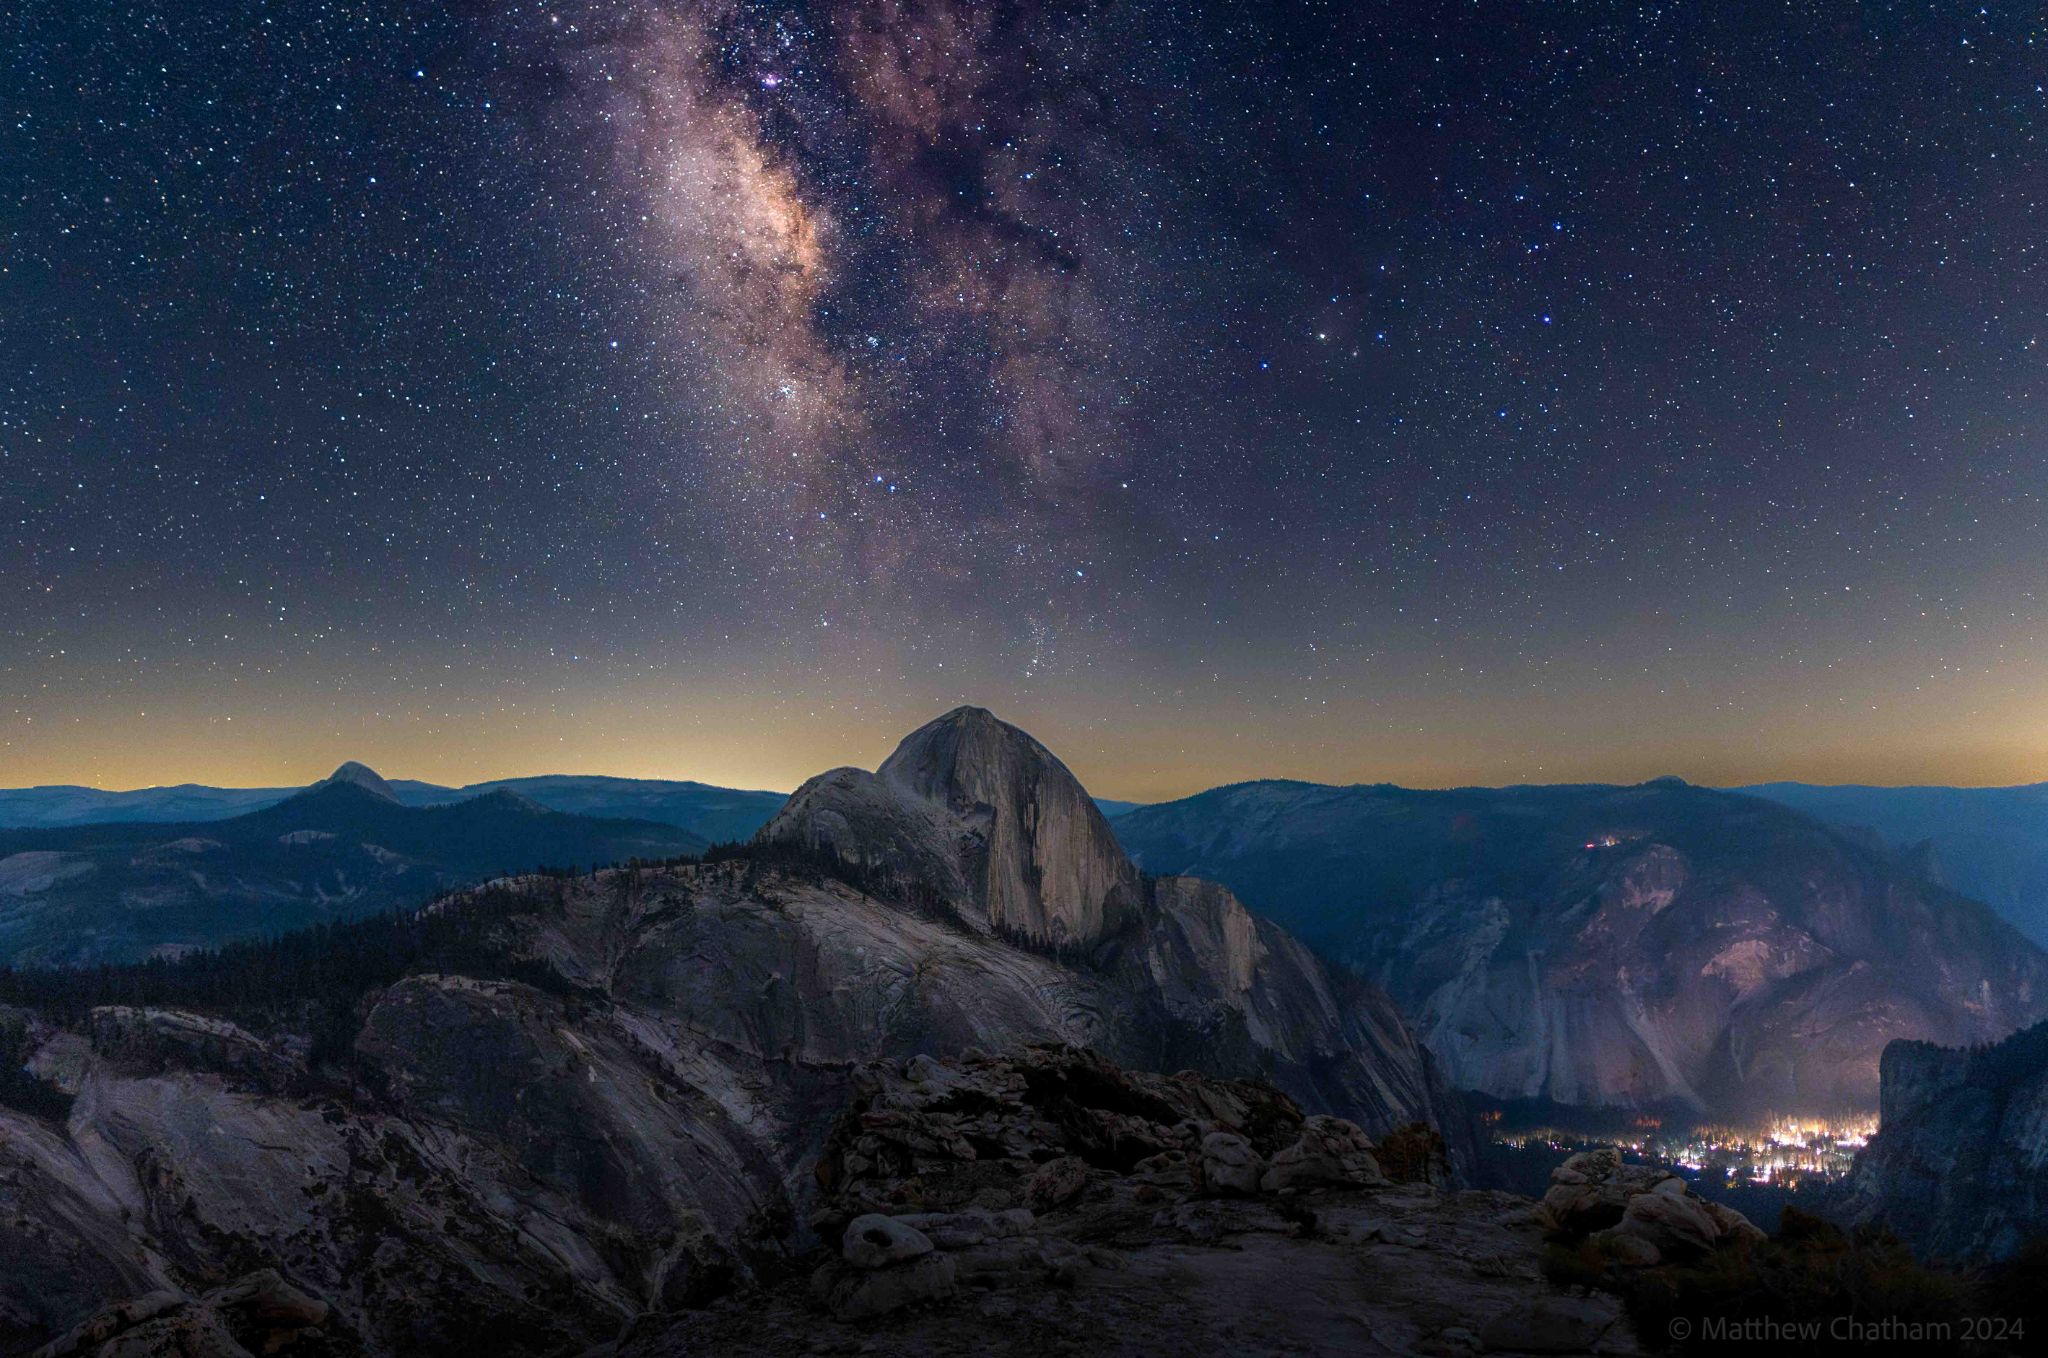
(1429, 393)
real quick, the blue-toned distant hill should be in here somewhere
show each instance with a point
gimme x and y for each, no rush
(714, 814)
(35, 808)
(1616, 945)
(343, 848)
(718, 815)
(1986, 842)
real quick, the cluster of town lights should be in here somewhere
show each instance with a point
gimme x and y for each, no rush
(1782, 1150)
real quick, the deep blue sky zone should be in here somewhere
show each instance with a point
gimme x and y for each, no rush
(1406, 360)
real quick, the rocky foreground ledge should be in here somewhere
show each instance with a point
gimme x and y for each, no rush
(1048, 1201)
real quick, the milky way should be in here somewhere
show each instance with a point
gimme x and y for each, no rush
(1436, 393)
(894, 267)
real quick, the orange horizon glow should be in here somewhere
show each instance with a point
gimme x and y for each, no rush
(1132, 754)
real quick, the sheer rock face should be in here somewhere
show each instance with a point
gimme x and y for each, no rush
(975, 816)
(1959, 1165)
(1616, 945)
(636, 1123)
(976, 809)
(1049, 868)
(1327, 1037)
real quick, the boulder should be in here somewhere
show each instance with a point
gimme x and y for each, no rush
(1230, 1165)
(1734, 1225)
(1590, 1191)
(188, 1332)
(1588, 1166)
(876, 1241)
(964, 1230)
(259, 1312)
(1056, 1182)
(1679, 1226)
(1643, 1215)
(1631, 1251)
(1330, 1153)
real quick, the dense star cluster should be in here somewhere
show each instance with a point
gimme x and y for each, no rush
(1436, 392)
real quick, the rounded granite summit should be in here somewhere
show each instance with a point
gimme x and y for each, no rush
(979, 810)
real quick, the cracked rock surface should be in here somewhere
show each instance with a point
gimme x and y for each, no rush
(1148, 1253)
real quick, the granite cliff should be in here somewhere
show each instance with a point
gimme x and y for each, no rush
(1617, 945)
(1959, 1165)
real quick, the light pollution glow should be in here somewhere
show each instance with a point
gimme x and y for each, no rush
(731, 738)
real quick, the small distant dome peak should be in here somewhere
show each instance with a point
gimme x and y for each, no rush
(362, 776)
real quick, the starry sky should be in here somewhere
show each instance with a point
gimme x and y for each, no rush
(1423, 392)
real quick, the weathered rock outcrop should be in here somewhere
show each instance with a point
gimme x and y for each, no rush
(1046, 1201)
(1643, 1214)
(257, 1315)
(1616, 945)
(1959, 1165)
(614, 1106)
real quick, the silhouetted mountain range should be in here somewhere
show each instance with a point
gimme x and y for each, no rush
(337, 850)
(714, 814)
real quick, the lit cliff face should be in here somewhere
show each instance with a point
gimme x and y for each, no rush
(1616, 945)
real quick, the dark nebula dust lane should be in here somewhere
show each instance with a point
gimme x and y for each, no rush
(1443, 393)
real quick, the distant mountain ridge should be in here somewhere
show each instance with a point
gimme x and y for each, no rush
(340, 849)
(1616, 945)
(715, 814)
(1990, 843)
